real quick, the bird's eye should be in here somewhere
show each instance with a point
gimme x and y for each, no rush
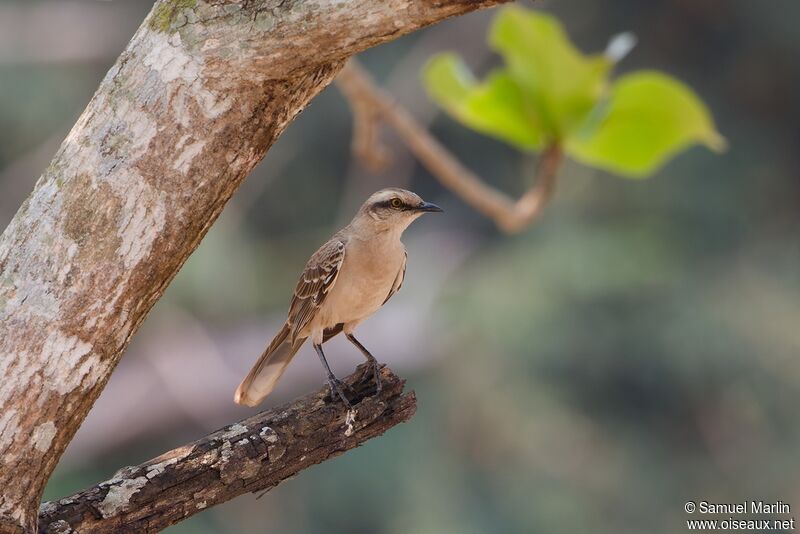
(396, 203)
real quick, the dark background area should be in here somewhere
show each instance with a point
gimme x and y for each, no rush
(635, 349)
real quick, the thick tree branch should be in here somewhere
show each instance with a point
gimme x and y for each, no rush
(192, 104)
(255, 454)
(368, 102)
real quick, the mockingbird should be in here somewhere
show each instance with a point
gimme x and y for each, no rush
(344, 282)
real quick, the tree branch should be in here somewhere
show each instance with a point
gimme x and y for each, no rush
(255, 454)
(193, 103)
(367, 102)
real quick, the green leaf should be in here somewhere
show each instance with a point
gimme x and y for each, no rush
(562, 84)
(447, 79)
(649, 118)
(495, 107)
(550, 93)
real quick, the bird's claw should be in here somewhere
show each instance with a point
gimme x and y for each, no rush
(337, 387)
(373, 368)
(376, 374)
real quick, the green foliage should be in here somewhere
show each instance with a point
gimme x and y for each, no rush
(496, 107)
(649, 118)
(550, 93)
(562, 84)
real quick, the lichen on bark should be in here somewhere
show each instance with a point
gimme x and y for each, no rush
(166, 11)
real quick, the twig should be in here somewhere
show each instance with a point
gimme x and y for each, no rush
(252, 455)
(368, 101)
(366, 143)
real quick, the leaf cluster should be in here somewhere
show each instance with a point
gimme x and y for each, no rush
(550, 93)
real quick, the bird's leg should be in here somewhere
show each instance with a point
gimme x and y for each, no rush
(371, 361)
(334, 383)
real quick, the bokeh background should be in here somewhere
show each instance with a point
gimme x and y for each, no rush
(636, 348)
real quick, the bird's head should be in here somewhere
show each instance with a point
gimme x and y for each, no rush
(395, 208)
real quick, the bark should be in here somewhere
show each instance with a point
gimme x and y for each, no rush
(192, 104)
(252, 455)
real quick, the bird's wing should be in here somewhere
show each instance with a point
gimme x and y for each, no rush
(398, 280)
(315, 283)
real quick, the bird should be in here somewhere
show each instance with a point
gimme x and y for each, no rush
(344, 282)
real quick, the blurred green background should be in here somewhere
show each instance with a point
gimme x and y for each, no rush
(635, 349)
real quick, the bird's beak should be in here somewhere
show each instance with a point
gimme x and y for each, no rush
(428, 206)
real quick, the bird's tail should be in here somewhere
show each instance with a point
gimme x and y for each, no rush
(261, 379)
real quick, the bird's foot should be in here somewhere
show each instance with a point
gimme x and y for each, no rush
(373, 368)
(376, 375)
(337, 389)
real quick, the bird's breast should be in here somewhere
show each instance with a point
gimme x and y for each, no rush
(365, 279)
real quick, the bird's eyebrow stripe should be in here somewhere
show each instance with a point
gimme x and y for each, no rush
(387, 204)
